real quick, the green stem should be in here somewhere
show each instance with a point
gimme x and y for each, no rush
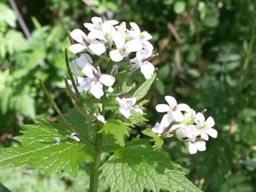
(94, 174)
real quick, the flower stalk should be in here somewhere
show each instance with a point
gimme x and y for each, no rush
(94, 172)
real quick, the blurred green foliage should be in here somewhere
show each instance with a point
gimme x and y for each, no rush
(206, 58)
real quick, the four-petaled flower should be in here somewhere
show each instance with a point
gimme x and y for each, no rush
(95, 81)
(127, 106)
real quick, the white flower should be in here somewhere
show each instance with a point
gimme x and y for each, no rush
(127, 106)
(160, 128)
(74, 136)
(195, 146)
(205, 127)
(78, 64)
(123, 47)
(173, 108)
(141, 61)
(95, 81)
(135, 32)
(83, 42)
(143, 37)
(79, 84)
(187, 131)
(101, 30)
(100, 117)
(97, 23)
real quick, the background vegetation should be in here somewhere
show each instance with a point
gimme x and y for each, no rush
(206, 58)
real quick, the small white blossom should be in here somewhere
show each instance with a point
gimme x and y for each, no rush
(141, 61)
(100, 118)
(101, 30)
(74, 136)
(95, 81)
(135, 32)
(123, 46)
(204, 127)
(83, 42)
(194, 146)
(173, 108)
(160, 128)
(127, 106)
(79, 63)
(57, 139)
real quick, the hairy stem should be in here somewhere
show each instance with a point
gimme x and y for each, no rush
(94, 174)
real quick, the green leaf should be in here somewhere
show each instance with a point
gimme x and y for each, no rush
(3, 188)
(179, 7)
(116, 128)
(158, 141)
(47, 146)
(25, 105)
(144, 88)
(138, 167)
(7, 15)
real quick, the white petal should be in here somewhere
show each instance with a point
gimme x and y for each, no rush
(130, 101)
(146, 36)
(125, 113)
(148, 47)
(96, 34)
(119, 40)
(162, 108)
(74, 136)
(183, 107)
(78, 63)
(76, 48)
(147, 69)
(97, 90)
(186, 132)
(135, 27)
(178, 116)
(209, 122)
(204, 136)
(212, 132)
(89, 70)
(158, 128)
(200, 145)
(96, 20)
(100, 118)
(171, 101)
(112, 22)
(200, 118)
(166, 120)
(115, 55)
(133, 46)
(78, 35)
(86, 84)
(107, 80)
(138, 110)
(97, 48)
(192, 148)
(89, 26)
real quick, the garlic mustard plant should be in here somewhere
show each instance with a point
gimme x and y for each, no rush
(107, 105)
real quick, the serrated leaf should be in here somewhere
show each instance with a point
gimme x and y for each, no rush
(83, 127)
(46, 145)
(116, 128)
(158, 141)
(138, 167)
(144, 88)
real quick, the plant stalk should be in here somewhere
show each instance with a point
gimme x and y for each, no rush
(94, 173)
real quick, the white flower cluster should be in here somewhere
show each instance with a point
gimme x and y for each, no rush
(118, 41)
(183, 121)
